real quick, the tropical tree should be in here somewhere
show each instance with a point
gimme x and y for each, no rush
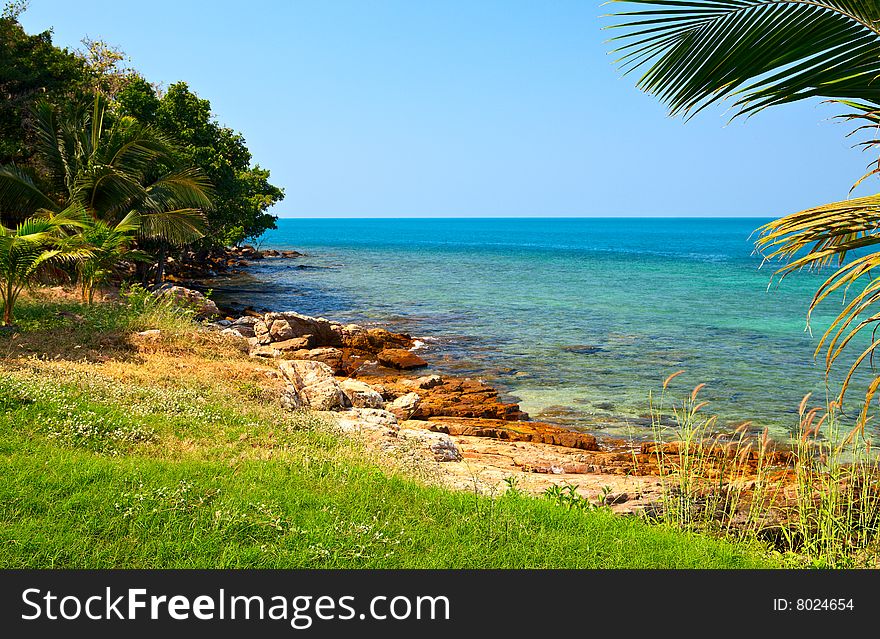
(109, 166)
(244, 194)
(763, 53)
(29, 250)
(105, 246)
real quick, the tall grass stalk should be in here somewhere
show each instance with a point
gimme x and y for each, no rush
(817, 496)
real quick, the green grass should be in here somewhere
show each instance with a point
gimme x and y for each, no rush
(160, 459)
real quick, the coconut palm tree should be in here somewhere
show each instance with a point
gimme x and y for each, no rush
(106, 246)
(109, 166)
(30, 249)
(763, 53)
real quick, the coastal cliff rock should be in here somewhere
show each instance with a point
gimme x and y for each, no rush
(332, 357)
(453, 397)
(344, 347)
(423, 383)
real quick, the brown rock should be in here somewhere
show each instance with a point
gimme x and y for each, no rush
(332, 357)
(536, 432)
(400, 359)
(372, 340)
(404, 406)
(423, 383)
(281, 330)
(305, 342)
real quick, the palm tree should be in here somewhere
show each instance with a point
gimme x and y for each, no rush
(29, 249)
(106, 245)
(109, 166)
(763, 53)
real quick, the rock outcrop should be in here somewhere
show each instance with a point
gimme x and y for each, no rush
(204, 308)
(400, 359)
(311, 385)
(535, 432)
(405, 406)
(361, 395)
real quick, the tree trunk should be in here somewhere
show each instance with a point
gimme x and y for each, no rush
(7, 308)
(160, 267)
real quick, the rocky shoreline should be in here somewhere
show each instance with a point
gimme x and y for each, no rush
(375, 384)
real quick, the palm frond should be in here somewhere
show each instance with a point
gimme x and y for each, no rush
(758, 52)
(824, 236)
(183, 188)
(19, 194)
(178, 227)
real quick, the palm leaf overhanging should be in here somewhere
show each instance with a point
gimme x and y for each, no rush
(758, 52)
(762, 53)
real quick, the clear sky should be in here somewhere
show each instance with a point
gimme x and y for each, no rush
(463, 108)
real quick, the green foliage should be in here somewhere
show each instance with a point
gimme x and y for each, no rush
(28, 250)
(107, 246)
(171, 146)
(243, 192)
(569, 498)
(31, 67)
(759, 52)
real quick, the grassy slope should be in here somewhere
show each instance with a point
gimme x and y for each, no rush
(117, 451)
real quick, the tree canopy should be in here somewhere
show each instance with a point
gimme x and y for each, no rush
(36, 76)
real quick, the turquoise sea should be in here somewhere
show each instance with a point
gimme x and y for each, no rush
(576, 318)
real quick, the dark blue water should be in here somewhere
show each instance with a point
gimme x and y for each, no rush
(577, 318)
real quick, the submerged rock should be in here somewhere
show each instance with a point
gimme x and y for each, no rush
(583, 349)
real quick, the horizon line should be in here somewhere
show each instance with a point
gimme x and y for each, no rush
(524, 217)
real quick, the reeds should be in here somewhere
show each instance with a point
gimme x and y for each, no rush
(815, 497)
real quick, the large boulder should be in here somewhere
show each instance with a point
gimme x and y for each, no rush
(369, 419)
(290, 398)
(295, 344)
(290, 325)
(302, 373)
(313, 383)
(443, 448)
(400, 359)
(204, 308)
(332, 357)
(371, 340)
(281, 330)
(361, 395)
(324, 395)
(405, 405)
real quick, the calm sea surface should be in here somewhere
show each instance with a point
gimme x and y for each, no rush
(577, 318)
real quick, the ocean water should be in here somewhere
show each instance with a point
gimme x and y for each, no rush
(578, 319)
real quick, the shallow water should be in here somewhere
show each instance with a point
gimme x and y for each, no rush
(577, 318)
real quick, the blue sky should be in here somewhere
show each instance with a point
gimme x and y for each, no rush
(461, 108)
